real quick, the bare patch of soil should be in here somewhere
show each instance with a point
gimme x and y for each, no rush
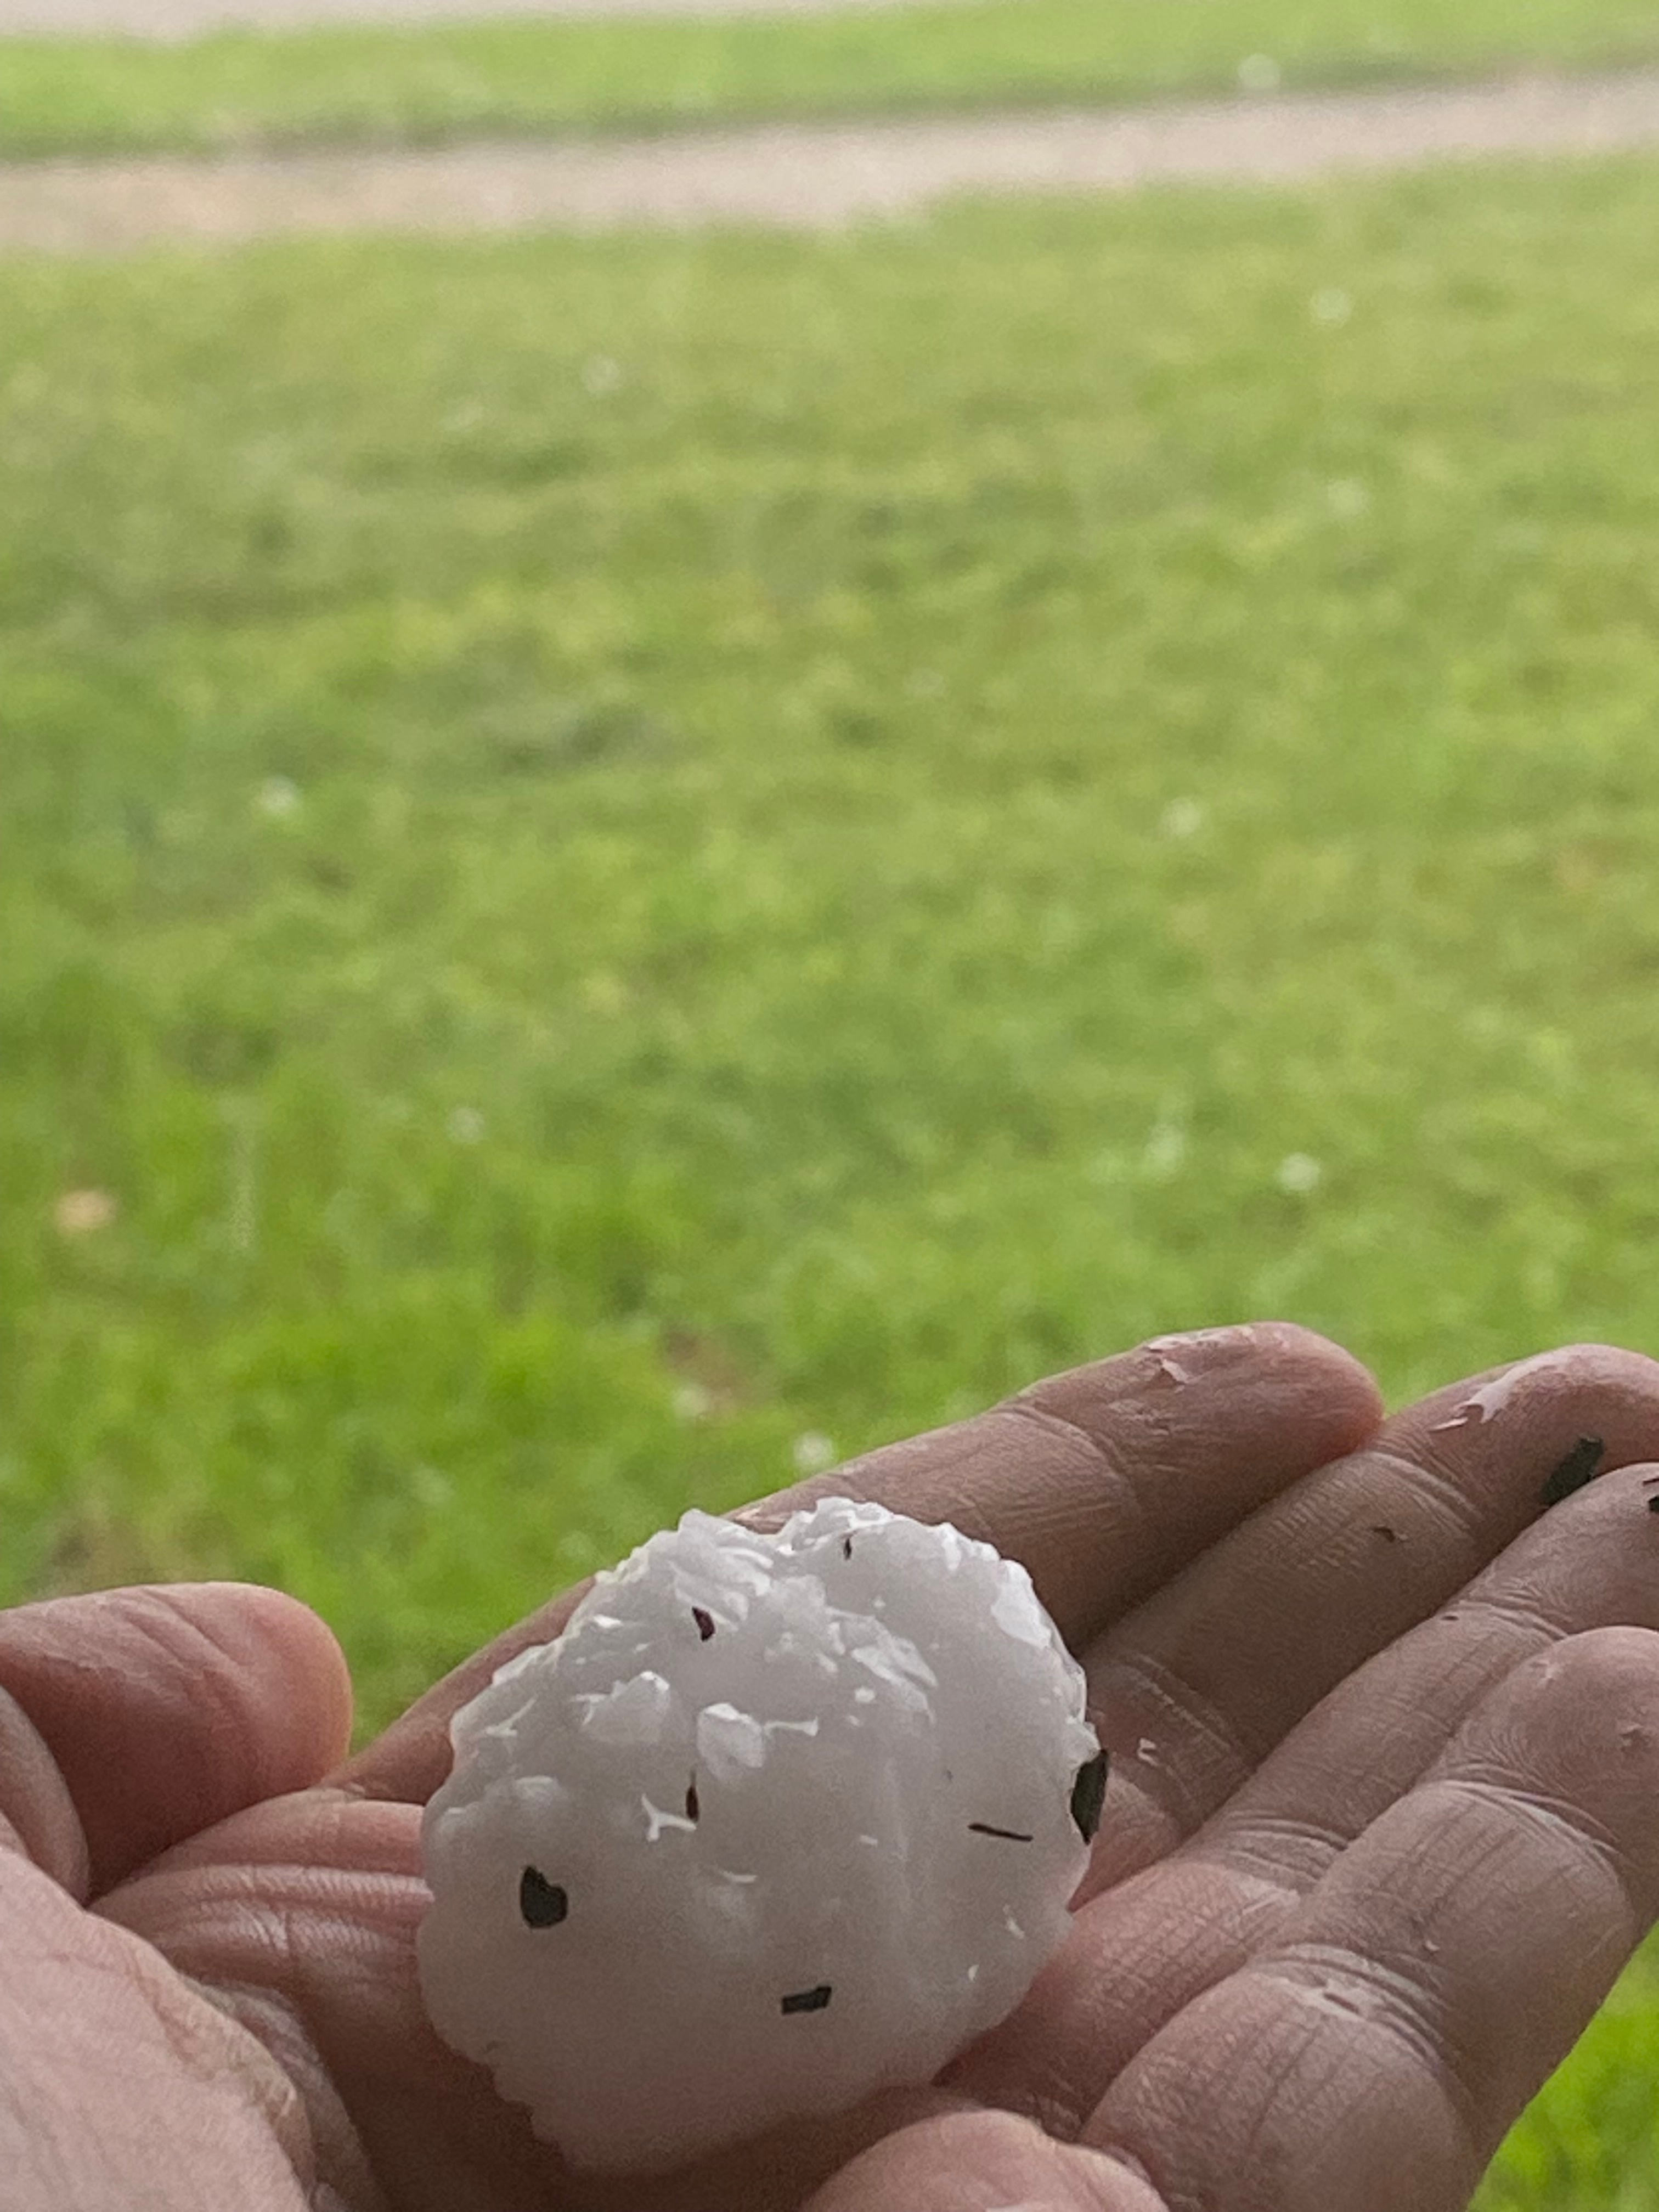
(814, 175)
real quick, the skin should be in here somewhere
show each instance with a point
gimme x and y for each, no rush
(1378, 1837)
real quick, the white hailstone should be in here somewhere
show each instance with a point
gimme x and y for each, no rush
(279, 797)
(780, 1820)
(1182, 818)
(813, 1453)
(1299, 1173)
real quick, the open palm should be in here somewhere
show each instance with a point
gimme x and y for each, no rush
(1378, 1838)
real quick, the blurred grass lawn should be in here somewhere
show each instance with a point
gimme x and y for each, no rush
(622, 854)
(384, 83)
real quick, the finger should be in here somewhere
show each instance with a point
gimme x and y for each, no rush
(1141, 1951)
(331, 1948)
(166, 1709)
(983, 2162)
(124, 2087)
(1594, 1564)
(1199, 1685)
(1375, 2055)
(1102, 1482)
(1105, 1481)
(38, 1817)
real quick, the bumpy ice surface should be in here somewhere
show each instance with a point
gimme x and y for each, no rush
(777, 1821)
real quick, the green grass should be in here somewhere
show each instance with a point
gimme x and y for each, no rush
(66, 94)
(619, 855)
(798, 830)
(1590, 2142)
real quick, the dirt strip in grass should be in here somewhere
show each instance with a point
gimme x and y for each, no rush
(184, 19)
(812, 175)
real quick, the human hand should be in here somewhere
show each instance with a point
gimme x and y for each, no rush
(1378, 1838)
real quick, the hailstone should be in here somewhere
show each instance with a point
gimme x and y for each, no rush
(778, 1822)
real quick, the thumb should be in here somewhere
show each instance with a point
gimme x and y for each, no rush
(163, 1709)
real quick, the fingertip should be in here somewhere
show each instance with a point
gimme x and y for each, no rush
(1585, 1711)
(1355, 1393)
(168, 1707)
(1102, 1480)
(1329, 1396)
(275, 1633)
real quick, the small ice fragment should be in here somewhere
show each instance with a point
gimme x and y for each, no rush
(431, 1486)
(1198, 1339)
(521, 1662)
(508, 1727)
(1165, 1149)
(279, 797)
(1017, 1614)
(1299, 1173)
(1182, 818)
(730, 1743)
(82, 1212)
(466, 1126)
(635, 1712)
(898, 1664)
(1332, 306)
(659, 1820)
(1487, 1403)
(814, 1452)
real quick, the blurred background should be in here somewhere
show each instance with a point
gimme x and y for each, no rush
(637, 858)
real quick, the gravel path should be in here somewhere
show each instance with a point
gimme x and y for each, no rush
(184, 19)
(813, 175)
